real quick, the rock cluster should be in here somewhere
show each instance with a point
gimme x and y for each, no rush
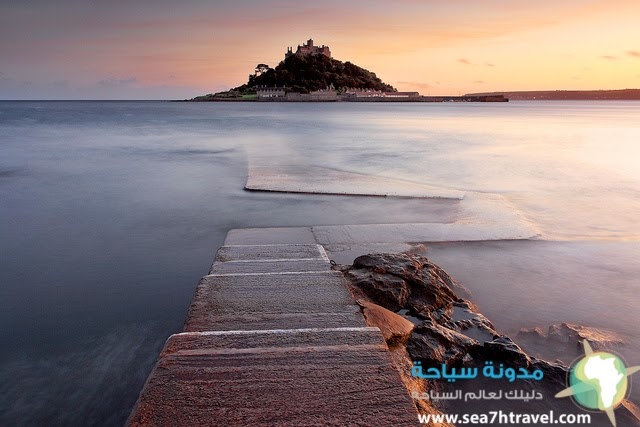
(448, 329)
(567, 337)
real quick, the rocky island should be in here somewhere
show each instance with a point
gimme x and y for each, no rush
(310, 73)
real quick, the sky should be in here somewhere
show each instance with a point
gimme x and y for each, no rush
(161, 49)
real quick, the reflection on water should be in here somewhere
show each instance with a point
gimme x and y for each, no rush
(111, 211)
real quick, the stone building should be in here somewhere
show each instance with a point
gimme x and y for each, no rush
(270, 92)
(309, 49)
(328, 94)
(363, 93)
(401, 94)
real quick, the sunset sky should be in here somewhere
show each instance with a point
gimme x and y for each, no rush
(161, 49)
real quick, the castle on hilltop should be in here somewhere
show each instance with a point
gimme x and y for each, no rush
(308, 49)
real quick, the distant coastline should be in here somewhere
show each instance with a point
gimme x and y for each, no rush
(568, 95)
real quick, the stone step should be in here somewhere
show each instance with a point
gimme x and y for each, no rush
(275, 378)
(272, 301)
(270, 267)
(274, 338)
(270, 236)
(258, 253)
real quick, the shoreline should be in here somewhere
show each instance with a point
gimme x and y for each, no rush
(339, 98)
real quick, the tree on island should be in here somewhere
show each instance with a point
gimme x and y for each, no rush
(304, 74)
(261, 69)
(314, 72)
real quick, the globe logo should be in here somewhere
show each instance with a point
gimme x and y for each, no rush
(599, 381)
(603, 376)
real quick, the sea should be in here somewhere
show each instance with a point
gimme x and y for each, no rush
(111, 211)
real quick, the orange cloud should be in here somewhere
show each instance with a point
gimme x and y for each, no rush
(417, 85)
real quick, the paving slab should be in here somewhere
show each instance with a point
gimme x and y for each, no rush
(267, 321)
(281, 252)
(418, 233)
(269, 236)
(272, 301)
(320, 180)
(270, 267)
(480, 217)
(275, 378)
(346, 253)
(256, 340)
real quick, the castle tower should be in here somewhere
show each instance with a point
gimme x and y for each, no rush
(308, 49)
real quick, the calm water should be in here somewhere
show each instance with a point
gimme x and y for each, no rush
(110, 212)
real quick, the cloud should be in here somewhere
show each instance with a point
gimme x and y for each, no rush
(609, 57)
(117, 82)
(58, 84)
(633, 53)
(479, 82)
(416, 84)
(7, 81)
(464, 61)
(489, 64)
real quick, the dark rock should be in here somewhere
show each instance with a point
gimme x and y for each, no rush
(467, 320)
(478, 327)
(503, 349)
(387, 291)
(572, 335)
(435, 344)
(533, 333)
(554, 372)
(564, 341)
(397, 281)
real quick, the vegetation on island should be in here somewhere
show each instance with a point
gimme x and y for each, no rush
(304, 74)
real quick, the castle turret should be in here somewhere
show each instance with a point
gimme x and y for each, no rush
(309, 49)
